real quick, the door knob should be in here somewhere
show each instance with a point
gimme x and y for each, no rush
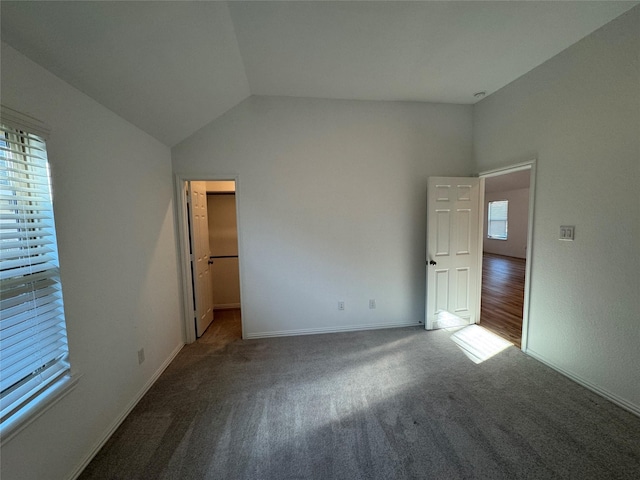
(431, 262)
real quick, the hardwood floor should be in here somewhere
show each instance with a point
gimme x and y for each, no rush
(503, 296)
(226, 328)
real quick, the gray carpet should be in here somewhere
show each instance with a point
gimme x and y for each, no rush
(384, 404)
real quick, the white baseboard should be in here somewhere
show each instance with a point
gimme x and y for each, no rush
(116, 423)
(226, 306)
(612, 397)
(314, 331)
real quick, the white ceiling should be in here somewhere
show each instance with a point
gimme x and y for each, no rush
(172, 67)
(167, 67)
(426, 51)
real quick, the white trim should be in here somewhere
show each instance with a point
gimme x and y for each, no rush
(480, 248)
(516, 167)
(188, 312)
(226, 306)
(612, 397)
(22, 121)
(530, 165)
(527, 267)
(189, 329)
(346, 328)
(118, 421)
(39, 405)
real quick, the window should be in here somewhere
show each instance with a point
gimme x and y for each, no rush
(497, 224)
(33, 340)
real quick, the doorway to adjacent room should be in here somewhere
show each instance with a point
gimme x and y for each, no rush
(210, 258)
(506, 251)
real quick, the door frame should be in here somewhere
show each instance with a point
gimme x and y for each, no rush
(184, 257)
(531, 166)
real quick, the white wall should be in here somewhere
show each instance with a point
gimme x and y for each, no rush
(332, 204)
(114, 216)
(579, 115)
(518, 216)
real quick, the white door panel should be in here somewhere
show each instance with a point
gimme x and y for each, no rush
(200, 253)
(453, 254)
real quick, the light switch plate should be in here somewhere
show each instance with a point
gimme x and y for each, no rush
(567, 232)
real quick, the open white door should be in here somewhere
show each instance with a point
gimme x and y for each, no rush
(203, 293)
(453, 252)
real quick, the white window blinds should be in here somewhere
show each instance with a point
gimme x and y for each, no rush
(497, 219)
(33, 343)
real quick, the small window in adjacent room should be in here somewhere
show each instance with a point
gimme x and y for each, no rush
(497, 219)
(33, 341)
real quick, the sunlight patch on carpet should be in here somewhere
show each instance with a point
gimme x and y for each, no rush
(444, 319)
(478, 343)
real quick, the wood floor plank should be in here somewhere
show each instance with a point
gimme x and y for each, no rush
(503, 296)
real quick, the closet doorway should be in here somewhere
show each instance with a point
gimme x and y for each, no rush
(217, 240)
(225, 269)
(223, 244)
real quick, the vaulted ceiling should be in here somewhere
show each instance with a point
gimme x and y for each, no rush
(172, 67)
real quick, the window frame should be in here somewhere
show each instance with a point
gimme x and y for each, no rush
(505, 235)
(45, 393)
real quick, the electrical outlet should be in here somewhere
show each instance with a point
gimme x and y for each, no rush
(140, 356)
(372, 304)
(340, 305)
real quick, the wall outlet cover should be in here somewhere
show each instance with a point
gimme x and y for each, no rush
(567, 232)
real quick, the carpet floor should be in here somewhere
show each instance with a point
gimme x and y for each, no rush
(384, 404)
